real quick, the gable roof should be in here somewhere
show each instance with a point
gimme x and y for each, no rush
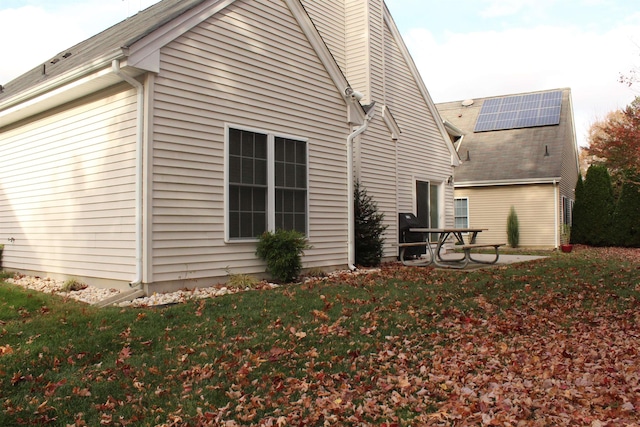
(86, 66)
(111, 41)
(509, 156)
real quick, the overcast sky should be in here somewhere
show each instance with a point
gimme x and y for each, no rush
(463, 49)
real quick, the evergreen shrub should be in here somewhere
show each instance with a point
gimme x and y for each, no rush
(625, 228)
(369, 228)
(598, 209)
(513, 232)
(282, 251)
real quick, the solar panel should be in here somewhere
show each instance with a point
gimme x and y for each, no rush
(520, 111)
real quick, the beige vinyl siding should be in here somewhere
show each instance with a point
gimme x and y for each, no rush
(422, 152)
(534, 205)
(357, 47)
(389, 169)
(377, 68)
(352, 30)
(250, 66)
(71, 207)
(376, 51)
(329, 18)
(376, 169)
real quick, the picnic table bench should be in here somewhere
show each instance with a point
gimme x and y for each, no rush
(434, 256)
(466, 248)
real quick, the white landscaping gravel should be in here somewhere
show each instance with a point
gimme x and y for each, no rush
(90, 294)
(94, 295)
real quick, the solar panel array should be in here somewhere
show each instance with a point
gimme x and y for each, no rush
(520, 111)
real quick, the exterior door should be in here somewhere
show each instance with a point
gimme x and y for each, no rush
(427, 205)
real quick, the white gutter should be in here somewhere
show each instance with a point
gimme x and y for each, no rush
(351, 249)
(62, 80)
(460, 184)
(139, 165)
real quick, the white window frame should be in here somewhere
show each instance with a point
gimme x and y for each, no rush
(454, 210)
(440, 186)
(567, 210)
(271, 187)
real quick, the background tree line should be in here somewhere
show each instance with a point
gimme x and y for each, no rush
(607, 205)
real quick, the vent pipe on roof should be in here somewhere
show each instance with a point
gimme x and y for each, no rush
(546, 151)
(468, 156)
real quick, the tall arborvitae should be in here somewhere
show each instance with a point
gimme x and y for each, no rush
(369, 228)
(513, 229)
(577, 226)
(598, 194)
(626, 217)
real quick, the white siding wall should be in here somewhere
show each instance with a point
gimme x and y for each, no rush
(357, 47)
(67, 189)
(534, 204)
(249, 65)
(422, 151)
(377, 40)
(329, 18)
(376, 67)
(377, 173)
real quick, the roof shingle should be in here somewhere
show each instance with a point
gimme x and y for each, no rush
(526, 154)
(120, 35)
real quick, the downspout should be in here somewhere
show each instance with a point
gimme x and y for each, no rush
(139, 165)
(351, 249)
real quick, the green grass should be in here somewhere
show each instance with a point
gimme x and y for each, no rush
(328, 351)
(17, 303)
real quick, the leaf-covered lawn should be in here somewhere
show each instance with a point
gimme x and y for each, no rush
(551, 342)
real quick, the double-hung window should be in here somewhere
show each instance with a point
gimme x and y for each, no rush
(461, 212)
(567, 210)
(267, 183)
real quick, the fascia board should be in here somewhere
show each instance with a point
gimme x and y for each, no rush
(464, 184)
(62, 80)
(575, 148)
(144, 53)
(452, 129)
(391, 123)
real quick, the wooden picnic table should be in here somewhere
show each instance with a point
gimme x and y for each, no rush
(435, 257)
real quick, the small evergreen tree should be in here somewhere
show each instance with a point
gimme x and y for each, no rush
(626, 217)
(578, 228)
(369, 228)
(599, 205)
(513, 232)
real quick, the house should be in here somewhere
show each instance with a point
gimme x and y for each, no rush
(517, 150)
(154, 153)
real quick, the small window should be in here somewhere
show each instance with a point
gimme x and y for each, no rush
(567, 211)
(461, 212)
(265, 191)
